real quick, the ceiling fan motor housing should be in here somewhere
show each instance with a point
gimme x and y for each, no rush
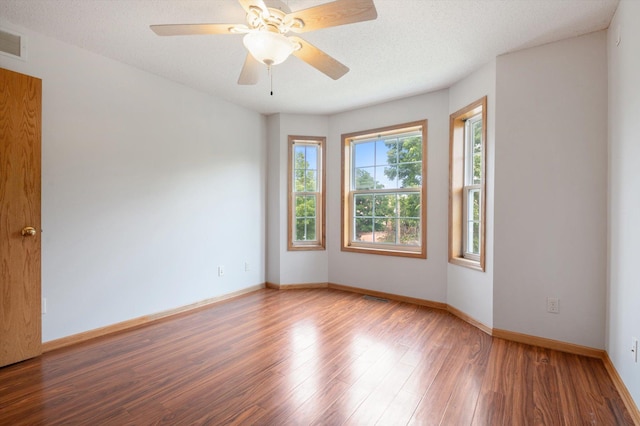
(275, 20)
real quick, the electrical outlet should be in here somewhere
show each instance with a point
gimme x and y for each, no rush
(553, 305)
(221, 271)
(634, 348)
(44, 305)
(246, 267)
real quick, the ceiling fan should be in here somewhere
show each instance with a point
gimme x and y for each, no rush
(265, 33)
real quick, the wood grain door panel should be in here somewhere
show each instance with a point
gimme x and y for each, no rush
(20, 152)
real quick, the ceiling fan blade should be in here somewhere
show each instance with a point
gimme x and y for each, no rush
(249, 73)
(246, 5)
(339, 12)
(318, 59)
(193, 29)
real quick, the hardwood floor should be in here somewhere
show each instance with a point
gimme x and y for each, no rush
(318, 357)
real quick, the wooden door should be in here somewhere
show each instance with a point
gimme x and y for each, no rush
(20, 300)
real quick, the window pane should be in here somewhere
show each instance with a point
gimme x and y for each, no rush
(477, 152)
(363, 205)
(394, 164)
(409, 205)
(477, 169)
(473, 150)
(410, 149)
(385, 205)
(305, 168)
(312, 156)
(475, 213)
(300, 159)
(301, 208)
(410, 232)
(473, 221)
(363, 178)
(473, 237)
(311, 229)
(311, 181)
(310, 206)
(410, 175)
(385, 230)
(386, 177)
(385, 152)
(305, 230)
(305, 206)
(363, 230)
(299, 181)
(363, 154)
(407, 154)
(476, 237)
(410, 162)
(299, 154)
(469, 202)
(301, 230)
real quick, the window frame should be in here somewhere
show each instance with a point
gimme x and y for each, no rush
(460, 186)
(347, 205)
(319, 242)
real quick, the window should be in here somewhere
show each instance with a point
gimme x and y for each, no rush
(384, 191)
(306, 193)
(467, 185)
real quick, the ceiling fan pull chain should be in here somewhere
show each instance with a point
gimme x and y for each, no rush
(270, 78)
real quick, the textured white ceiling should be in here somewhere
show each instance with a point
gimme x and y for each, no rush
(414, 46)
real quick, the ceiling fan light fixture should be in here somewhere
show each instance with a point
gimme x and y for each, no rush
(268, 47)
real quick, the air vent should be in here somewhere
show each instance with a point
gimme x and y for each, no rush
(12, 44)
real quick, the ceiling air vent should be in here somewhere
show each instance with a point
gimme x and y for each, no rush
(12, 44)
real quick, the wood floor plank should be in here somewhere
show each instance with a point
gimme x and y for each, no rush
(306, 412)
(435, 400)
(400, 410)
(461, 405)
(546, 399)
(374, 373)
(376, 403)
(298, 357)
(507, 385)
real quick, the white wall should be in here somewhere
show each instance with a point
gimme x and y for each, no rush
(290, 267)
(469, 290)
(425, 279)
(550, 190)
(147, 187)
(624, 200)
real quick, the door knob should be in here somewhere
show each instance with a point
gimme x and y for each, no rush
(28, 231)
